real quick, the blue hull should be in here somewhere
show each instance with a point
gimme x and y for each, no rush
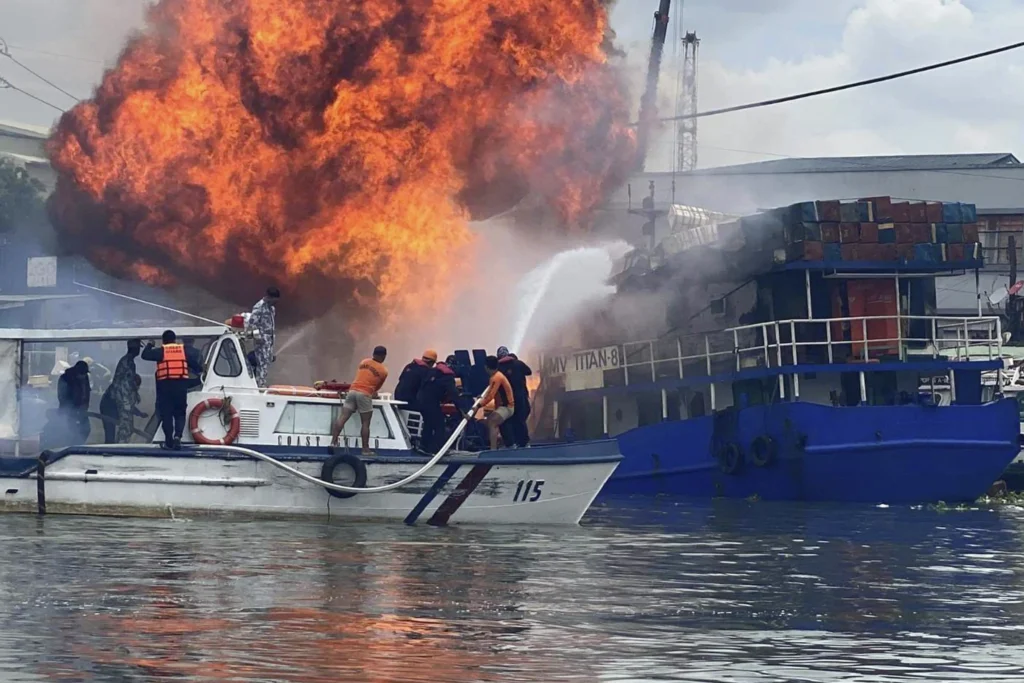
(865, 454)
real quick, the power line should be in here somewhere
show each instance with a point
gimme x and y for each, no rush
(6, 84)
(6, 52)
(54, 54)
(847, 86)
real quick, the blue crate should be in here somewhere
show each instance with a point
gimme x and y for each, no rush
(969, 212)
(833, 251)
(886, 233)
(940, 233)
(805, 232)
(928, 253)
(954, 233)
(952, 212)
(803, 212)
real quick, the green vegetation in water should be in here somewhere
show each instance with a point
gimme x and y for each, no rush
(1003, 498)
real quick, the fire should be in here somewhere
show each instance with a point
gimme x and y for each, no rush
(336, 148)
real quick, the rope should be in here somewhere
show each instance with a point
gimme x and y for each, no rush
(350, 489)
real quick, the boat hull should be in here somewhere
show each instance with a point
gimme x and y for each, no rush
(553, 485)
(864, 454)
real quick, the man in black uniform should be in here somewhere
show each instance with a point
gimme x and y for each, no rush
(439, 388)
(173, 363)
(412, 378)
(516, 432)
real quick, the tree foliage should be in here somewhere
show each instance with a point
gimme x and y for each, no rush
(21, 196)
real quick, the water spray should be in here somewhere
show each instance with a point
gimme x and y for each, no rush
(586, 270)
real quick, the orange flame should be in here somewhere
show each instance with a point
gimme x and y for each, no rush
(336, 148)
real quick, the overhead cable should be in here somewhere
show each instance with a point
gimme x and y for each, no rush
(6, 52)
(6, 84)
(847, 86)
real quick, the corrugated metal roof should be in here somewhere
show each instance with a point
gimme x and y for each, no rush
(23, 130)
(921, 162)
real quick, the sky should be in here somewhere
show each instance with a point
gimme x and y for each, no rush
(750, 50)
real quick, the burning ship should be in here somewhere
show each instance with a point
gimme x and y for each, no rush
(807, 370)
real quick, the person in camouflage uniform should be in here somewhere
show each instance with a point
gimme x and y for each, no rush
(263, 320)
(121, 399)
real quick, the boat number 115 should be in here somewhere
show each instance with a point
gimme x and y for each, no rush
(528, 491)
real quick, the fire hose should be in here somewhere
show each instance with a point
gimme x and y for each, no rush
(351, 489)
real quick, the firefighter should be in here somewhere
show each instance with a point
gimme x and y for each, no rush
(500, 391)
(263, 320)
(74, 393)
(120, 401)
(413, 376)
(439, 388)
(173, 361)
(515, 430)
(370, 377)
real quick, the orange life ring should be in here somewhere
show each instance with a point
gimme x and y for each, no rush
(213, 404)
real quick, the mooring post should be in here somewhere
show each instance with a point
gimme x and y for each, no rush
(41, 484)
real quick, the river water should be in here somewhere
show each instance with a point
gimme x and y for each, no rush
(670, 590)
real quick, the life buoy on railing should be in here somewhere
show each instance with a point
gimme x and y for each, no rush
(763, 451)
(730, 458)
(213, 404)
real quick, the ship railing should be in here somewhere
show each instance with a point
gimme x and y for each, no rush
(785, 343)
(866, 339)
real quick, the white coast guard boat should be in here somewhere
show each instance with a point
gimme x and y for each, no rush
(265, 452)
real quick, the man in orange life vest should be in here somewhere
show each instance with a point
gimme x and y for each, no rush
(500, 391)
(173, 362)
(370, 377)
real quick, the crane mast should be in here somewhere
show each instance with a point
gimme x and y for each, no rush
(686, 106)
(648, 103)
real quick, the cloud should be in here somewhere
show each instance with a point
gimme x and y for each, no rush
(965, 108)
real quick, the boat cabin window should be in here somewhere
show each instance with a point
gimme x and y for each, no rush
(317, 419)
(228, 363)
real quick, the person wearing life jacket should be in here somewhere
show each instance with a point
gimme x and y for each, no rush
(499, 391)
(173, 361)
(370, 377)
(412, 378)
(438, 388)
(516, 371)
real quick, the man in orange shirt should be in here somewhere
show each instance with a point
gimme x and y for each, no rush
(370, 377)
(500, 391)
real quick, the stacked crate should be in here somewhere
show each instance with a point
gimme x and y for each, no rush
(878, 229)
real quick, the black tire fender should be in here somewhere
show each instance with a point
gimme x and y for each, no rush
(730, 457)
(357, 465)
(763, 451)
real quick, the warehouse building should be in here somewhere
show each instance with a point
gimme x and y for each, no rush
(993, 182)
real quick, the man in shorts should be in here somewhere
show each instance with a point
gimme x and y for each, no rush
(500, 391)
(370, 377)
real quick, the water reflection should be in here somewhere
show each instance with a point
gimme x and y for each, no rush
(672, 590)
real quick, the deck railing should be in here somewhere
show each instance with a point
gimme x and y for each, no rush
(776, 344)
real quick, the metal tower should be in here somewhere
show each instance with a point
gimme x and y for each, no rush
(686, 131)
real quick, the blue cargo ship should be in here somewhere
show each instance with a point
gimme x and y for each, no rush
(798, 375)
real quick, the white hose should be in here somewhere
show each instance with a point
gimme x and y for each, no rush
(351, 489)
